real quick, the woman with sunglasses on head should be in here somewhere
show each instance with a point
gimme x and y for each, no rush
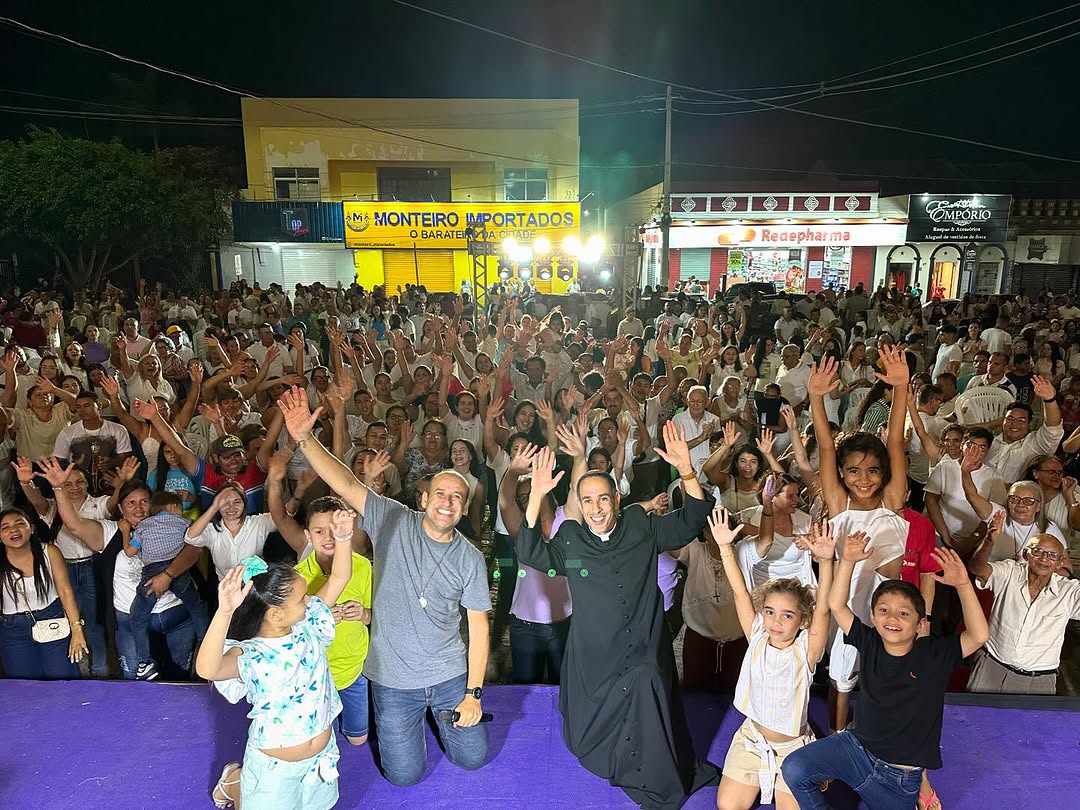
(1025, 516)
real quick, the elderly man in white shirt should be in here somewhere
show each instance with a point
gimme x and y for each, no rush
(1032, 605)
(1019, 443)
(793, 376)
(697, 424)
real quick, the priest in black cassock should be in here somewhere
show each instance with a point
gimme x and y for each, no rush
(622, 715)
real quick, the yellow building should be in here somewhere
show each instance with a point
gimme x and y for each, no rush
(433, 161)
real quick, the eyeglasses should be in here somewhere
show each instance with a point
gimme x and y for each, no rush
(1017, 500)
(976, 445)
(1053, 556)
(1053, 471)
(1023, 419)
(433, 434)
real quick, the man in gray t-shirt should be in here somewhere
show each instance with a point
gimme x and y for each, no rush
(425, 572)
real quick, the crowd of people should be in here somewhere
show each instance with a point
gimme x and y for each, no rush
(345, 500)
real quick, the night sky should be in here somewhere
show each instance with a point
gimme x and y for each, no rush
(378, 48)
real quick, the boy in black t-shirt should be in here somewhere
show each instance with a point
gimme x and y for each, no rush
(902, 681)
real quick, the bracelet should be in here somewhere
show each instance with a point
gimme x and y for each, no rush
(690, 476)
(342, 539)
(166, 573)
(301, 443)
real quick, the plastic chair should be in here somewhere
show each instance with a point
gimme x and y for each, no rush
(982, 404)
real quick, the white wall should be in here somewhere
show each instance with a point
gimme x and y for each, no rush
(905, 254)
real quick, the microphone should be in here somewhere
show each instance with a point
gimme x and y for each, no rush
(451, 716)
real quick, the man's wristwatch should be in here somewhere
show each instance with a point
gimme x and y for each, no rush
(476, 692)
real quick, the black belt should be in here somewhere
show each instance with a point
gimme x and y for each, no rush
(1027, 673)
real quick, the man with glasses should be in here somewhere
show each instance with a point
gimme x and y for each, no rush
(1032, 605)
(948, 509)
(1019, 444)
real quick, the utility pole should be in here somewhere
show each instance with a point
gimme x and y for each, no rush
(665, 216)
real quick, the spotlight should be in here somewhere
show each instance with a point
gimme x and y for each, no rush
(605, 275)
(521, 254)
(594, 248)
(524, 271)
(543, 270)
(605, 271)
(571, 246)
(542, 246)
(506, 269)
(509, 245)
(566, 270)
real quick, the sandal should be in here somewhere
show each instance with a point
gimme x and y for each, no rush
(930, 802)
(219, 796)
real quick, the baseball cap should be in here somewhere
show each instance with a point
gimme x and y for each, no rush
(226, 446)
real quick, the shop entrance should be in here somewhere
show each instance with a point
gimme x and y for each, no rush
(900, 276)
(943, 280)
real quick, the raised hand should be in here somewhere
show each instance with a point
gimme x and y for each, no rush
(1044, 389)
(722, 533)
(342, 524)
(127, 471)
(765, 443)
(821, 542)
(623, 433)
(299, 420)
(522, 461)
(495, 409)
(24, 470)
(571, 442)
(10, 360)
(272, 354)
(211, 413)
(953, 570)
(279, 462)
(543, 407)
(53, 471)
(376, 466)
(971, 458)
(110, 386)
(772, 486)
(407, 434)
(144, 410)
(788, 413)
(994, 526)
(195, 371)
(659, 504)
(731, 433)
(676, 452)
(543, 481)
(895, 364)
(823, 379)
(232, 590)
(856, 547)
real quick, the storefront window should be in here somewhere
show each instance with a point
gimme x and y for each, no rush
(786, 269)
(836, 268)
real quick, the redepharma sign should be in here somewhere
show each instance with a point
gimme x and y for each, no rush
(442, 225)
(958, 218)
(779, 236)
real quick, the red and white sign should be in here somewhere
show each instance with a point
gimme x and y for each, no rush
(779, 236)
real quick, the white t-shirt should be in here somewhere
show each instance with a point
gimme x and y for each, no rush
(127, 576)
(77, 433)
(947, 482)
(786, 329)
(793, 382)
(784, 559)
(71, 547)
(258, 353)
(226, 550)
(945, 356)
(996, 339)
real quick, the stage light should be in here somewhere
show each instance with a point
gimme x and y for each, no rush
(605, 275)
(522, 254)
(509, 245)
(571, 246)
(543, 270)
(524, 271)
(542, 246)
(506, 269)
(594, 248)
(566, 271)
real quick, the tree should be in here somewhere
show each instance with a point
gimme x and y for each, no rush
(92, 208)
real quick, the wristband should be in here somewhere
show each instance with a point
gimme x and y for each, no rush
(342, 539)
(690, 476)
(170, 576)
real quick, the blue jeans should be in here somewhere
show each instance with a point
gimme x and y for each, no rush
(882, 786)
(142, 605)
(25, 658)
(81, 573)
(399, 723)
(535, 648)
(174, 625)
(354, 708)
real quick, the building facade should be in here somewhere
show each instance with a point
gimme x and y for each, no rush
(310, 161)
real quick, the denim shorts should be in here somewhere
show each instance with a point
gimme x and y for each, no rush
(267, 783)
(354, 708)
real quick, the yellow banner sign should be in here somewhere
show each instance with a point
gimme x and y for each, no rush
(442, 225)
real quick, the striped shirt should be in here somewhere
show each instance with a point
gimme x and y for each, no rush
(160, 537)
(774, 684)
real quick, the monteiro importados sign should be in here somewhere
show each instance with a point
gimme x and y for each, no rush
(442, 225)
(958, 218)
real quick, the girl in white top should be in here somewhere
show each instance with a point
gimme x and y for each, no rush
(864, 487)
(779, 550)
(787, 633)
(466, 461)
(267, 643)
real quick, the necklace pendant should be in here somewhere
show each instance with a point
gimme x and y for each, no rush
(423, 602)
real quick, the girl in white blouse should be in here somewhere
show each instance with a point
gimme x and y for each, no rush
(786, 632)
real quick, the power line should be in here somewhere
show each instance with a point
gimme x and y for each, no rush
(873, 175)
(278, 102)
(722, 94)
(95, 115)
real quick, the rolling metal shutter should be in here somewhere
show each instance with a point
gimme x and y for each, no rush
(432, 268)
(694, 263)
(299, 266)
(1034, 279)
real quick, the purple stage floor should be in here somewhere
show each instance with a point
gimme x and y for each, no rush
(131, 745)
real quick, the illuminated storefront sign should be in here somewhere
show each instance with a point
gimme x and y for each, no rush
(442, 225)
(779, 236)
